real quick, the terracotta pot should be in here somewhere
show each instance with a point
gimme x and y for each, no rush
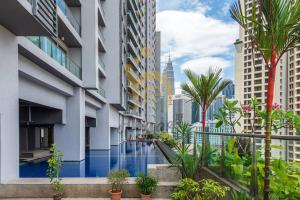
(115, 195)
(145, 197)
(57, 196)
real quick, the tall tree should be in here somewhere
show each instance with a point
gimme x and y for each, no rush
(273, 27)
(203, 89)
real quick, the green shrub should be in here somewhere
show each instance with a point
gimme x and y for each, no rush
(212, 190)
(117, 178)
(188, 189)
(53, 171)
(146, 184)
(167, 139)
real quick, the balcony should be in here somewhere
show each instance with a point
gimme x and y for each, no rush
(132, 48)
(101, 67)
(101, 39)
(29, 18)
(132, 75)
(67, 12)
(68, 26)
(58, 54)
(101, 14)
(134, 62)
(132, 88)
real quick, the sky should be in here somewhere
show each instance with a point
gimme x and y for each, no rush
(198, 34)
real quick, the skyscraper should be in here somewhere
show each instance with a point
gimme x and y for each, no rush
(167, 90)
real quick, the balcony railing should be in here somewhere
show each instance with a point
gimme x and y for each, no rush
(101, 91)
(67, 12)
(58, 54)
(239, 159)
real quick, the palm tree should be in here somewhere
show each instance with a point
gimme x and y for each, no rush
(275, 29)
(203, 90)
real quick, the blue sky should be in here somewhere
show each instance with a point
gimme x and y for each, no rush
(199, 34)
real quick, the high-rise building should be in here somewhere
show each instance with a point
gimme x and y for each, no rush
(76, 73)
(182, 109)
(251, 77)
(157, 81)
(167, 92)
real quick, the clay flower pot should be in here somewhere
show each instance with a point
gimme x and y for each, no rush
(145, 197)
(57, 196)
(115, 195)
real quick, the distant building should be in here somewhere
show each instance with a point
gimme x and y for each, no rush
(196, 113)
(228, 92)
(167, 91)
(182, 109)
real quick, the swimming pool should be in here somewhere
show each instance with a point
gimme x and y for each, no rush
(133, 156)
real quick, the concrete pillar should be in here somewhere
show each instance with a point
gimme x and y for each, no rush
(9, 106)
(70, 138)
(100, 135)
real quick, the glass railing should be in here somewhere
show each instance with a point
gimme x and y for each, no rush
(58, 54)
(101, 91)
(239, 159)
(67, 12)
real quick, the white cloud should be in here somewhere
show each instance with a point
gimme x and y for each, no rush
(201, 65)
(197, 37)
(191, 33)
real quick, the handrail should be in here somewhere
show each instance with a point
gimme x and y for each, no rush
(280, 137)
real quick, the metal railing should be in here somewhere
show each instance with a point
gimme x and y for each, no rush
(68, 13)
(239, 159)
(58, 54)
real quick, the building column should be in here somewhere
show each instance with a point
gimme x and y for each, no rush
(70, 137)
(100, 135)
(9, 107)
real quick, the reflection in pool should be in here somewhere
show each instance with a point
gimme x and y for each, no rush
(133, 156)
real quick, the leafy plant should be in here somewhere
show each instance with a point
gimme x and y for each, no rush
(146, 184)
(239, 196)
(274, 30)
(207, 189)
(183, 131)
(203, 90)
(167, 139)
(188, 189)
(187, 164)
(117, 178)
(54, 166)
(212, 190)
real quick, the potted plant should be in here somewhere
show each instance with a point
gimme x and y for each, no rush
(147, 185)
(53, 172)
(117, 178)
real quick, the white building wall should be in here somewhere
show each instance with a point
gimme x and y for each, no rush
(9, 107)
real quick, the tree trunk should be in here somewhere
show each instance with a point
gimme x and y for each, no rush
(203, 152)
(269, 103)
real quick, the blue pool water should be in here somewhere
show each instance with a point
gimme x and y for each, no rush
(133, 156)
